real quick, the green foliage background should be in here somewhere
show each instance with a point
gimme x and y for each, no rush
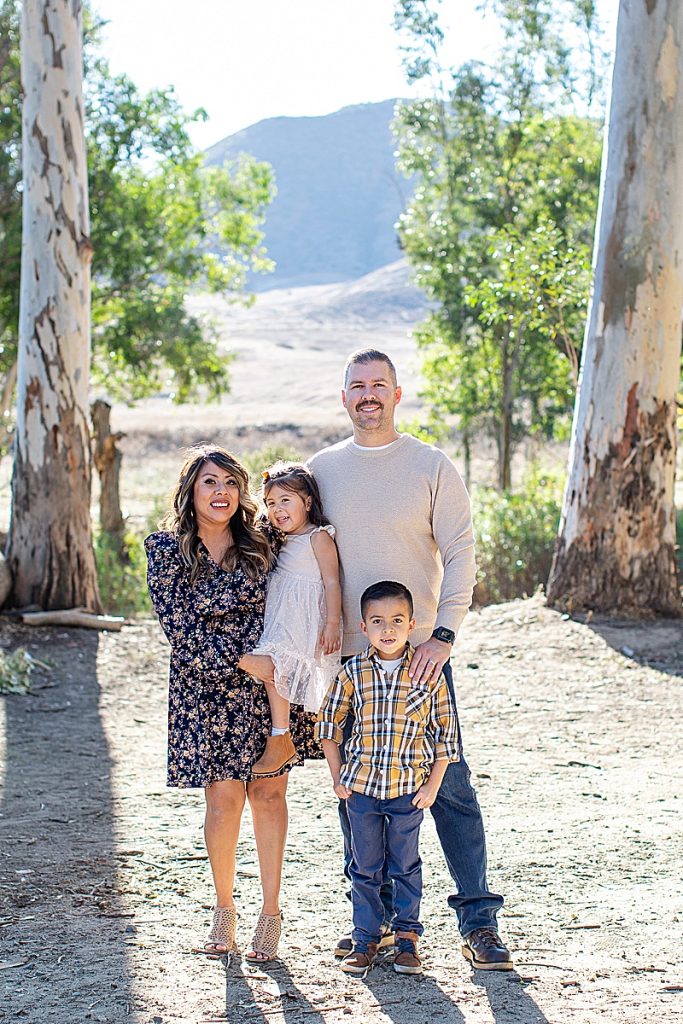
(162, 224)
(500, 225)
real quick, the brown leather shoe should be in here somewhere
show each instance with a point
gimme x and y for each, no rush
(486, 951)
(280, 752)
(406, 960)
(360, 960)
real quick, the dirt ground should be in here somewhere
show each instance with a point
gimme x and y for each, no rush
(572, 733)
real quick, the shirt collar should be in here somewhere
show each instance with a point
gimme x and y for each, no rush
(372, 655)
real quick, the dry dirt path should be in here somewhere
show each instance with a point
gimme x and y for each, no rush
(573, 735)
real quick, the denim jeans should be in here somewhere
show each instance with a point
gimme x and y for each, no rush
(460, 828)
(384, 839)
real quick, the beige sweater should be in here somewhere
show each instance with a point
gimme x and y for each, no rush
(401, 513)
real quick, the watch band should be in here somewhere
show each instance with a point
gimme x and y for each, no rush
(447, 636)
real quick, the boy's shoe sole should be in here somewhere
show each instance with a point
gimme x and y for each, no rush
(408, 970)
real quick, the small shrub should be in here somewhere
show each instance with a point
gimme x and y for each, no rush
(255, 462)
(15, 671)
(515, 537)
(123, 584)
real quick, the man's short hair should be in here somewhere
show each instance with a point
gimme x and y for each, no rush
(368, 355)
(385, 588)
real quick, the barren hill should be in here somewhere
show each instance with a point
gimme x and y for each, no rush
(338, 192)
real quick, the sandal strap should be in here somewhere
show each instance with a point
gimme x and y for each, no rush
(267, 934)
(224, 927)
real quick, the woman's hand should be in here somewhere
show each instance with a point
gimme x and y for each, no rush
(330, 639)
(260, 666)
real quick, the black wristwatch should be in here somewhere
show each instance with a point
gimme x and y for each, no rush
(446, 635)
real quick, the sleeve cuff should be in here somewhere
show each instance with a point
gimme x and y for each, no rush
(446, 752)
(328, 731)
(451, 617)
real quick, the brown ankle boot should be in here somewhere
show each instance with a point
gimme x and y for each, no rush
(406, 959)
(359, 961)
(280, 751)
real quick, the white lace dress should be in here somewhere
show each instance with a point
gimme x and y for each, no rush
(294, 619)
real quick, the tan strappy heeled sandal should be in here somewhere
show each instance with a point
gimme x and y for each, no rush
(266, 938)
(221, 939)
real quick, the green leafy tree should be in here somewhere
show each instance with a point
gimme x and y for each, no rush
(162, 224)
(500, 224)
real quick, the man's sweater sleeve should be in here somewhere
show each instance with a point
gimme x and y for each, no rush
(452, 529)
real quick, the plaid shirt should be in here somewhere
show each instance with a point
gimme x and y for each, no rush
(399, 728)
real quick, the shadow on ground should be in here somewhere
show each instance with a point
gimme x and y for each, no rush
(57, 837)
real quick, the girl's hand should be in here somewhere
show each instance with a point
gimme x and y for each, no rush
(330, 640)
(343, 792)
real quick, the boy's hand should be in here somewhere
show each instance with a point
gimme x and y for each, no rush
(330, 640)
(343, 792)
(426, 795)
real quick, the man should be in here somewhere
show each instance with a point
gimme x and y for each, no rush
(401, 512)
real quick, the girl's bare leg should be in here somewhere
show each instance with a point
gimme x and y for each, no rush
(279, 708)
(260, 666)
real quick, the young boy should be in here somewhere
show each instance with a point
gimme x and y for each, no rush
(403, 738)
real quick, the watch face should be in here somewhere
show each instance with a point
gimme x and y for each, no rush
(446, 635)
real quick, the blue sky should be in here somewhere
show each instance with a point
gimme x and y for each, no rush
(244, 60)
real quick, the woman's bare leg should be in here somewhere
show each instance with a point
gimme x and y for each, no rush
(268, 801)
(224, 806)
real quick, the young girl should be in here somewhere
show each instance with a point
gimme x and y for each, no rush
(301, 636)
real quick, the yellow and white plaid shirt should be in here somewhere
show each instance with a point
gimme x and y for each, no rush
(399, 730)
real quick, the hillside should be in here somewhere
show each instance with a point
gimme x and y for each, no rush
(338, 192)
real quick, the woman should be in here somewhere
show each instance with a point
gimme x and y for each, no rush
(207, 580)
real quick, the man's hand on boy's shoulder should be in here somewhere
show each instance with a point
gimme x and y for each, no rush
(428, 660)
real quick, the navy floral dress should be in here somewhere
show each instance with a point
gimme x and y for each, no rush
(218, 716)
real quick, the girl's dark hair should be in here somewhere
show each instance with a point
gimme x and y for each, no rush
(250, 550)
(294, 476)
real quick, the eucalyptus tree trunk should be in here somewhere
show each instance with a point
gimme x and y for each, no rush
(50, 545)
(616, 545)
(107, 458)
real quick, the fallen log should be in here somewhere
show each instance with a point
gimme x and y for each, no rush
(73, 617)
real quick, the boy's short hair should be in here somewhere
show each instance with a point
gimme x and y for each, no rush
(368, 355)
(385, 588)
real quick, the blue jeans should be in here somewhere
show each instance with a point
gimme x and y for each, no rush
(460, 828)
(384, 839)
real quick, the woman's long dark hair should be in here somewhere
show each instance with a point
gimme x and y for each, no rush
(250, 549)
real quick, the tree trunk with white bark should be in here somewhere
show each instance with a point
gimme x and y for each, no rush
(50, 549)
(616, 545)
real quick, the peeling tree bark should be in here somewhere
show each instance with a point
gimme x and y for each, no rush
(50, 544)
(616, 545)
(108, 464)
